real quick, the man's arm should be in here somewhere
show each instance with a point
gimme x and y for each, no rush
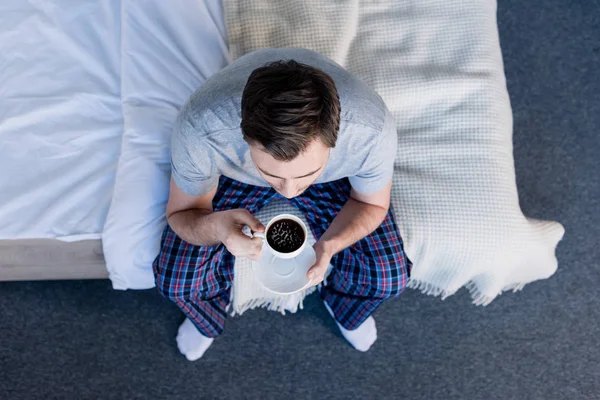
(189, 216)
(192, 218)
(359, 217)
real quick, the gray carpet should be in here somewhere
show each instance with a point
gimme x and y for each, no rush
(81, 340)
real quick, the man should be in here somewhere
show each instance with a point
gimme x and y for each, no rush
(281, 123)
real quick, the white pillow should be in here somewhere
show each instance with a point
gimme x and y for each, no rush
(168, 50)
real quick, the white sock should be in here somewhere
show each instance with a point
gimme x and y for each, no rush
(361, 338)
(191, 343)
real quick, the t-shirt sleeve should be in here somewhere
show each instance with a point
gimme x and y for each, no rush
(378, 167)
(192, 163)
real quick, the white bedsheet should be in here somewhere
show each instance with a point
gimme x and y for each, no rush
(60, 116)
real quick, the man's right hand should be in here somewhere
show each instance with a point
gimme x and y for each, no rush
(230, 224)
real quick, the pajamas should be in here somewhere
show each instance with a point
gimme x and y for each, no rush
(198, 278)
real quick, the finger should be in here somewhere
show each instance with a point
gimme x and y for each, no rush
(246, 218)
(254, 257)
(241, 244)
(315, 282)
(258, 243)
(315, 271)
(258, 249)
(250, 245)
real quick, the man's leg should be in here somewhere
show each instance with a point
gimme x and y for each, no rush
(365, 274)
(198, 279)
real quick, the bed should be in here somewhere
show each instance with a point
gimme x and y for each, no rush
(60, 132)
(91, 91)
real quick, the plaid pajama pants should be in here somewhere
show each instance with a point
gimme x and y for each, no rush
(198, 279)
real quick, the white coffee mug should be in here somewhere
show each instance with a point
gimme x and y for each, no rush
(274, 252)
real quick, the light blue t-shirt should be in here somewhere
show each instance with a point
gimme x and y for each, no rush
(207, 139)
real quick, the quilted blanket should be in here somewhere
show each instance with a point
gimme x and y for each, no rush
(438, 66)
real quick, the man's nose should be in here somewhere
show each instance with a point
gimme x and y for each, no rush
(289, 189)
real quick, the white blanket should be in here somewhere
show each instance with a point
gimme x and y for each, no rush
(438, 66)
(60, 116)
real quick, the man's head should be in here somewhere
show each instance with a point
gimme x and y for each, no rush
(290, 119)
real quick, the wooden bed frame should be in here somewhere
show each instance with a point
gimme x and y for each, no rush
(50, 259)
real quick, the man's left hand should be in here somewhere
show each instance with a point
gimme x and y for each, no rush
(316, 273)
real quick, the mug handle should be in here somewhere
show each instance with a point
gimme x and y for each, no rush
(248, 232)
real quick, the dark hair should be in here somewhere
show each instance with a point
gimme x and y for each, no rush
(286, 105)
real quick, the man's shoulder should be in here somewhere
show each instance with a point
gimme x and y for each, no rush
(216, 105)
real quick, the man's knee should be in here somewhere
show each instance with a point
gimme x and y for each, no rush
(168, 273)
(176, 280)
(392, 280)
(392, 288)
(166, 287)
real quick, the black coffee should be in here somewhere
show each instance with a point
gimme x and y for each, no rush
(285, 236)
